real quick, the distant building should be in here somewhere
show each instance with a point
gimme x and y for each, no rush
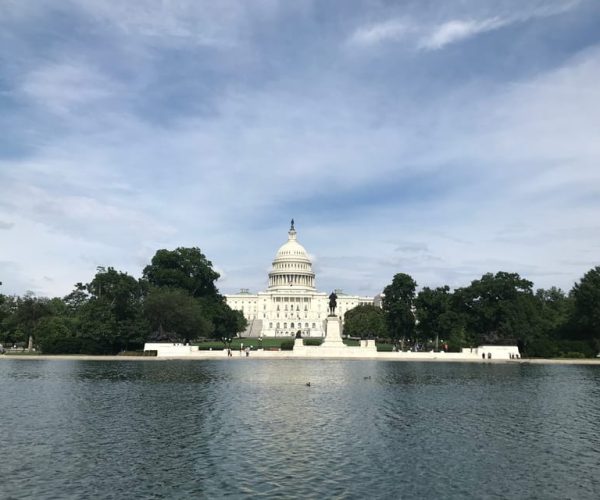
(291, 302)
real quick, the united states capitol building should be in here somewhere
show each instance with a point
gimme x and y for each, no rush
(291, 302)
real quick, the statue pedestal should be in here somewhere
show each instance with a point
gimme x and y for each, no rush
(333, 336)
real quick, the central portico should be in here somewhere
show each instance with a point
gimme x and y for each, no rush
(291, 302)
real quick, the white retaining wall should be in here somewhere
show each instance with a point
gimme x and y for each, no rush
(367, 350)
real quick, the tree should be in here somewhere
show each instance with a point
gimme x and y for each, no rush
(397, 305)
(499, 308)
(109, 312)
(29, 310)
(185, 268)
(435, 315)
(119, 291)
(586, 305)
(175, 316)
(226, 322)
(56, 335)
(365, 321)
(76, 299)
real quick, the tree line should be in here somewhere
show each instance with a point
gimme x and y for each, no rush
(175, 300)
(501, 308)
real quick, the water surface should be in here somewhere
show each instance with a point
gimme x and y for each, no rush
(254, 429)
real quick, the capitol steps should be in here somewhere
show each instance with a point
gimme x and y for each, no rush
(254, 328)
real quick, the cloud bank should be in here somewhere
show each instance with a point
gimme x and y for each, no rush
(395, 143)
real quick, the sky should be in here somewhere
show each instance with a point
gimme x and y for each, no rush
(442, 139)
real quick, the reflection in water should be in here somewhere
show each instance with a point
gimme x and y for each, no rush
(252, 428)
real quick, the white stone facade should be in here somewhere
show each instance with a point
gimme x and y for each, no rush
(291, 302)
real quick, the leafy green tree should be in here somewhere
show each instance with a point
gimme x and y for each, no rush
(439, 318)
(586, 306)
(432, 308)
(398, 306)
(109, 312)
(2, 310)
(175, 316)
(56, 335)
(8, 323)
(499, 308)
(28, 310)
(556, 309)
(4, 313)
(76, 299)
(365, 321)
(226, 321)
(119, 291)
(188, 270)
(97, 328)
(185, 268)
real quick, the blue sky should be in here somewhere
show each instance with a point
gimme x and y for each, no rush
(443, 139)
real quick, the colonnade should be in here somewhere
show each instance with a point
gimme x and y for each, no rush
(295, 279)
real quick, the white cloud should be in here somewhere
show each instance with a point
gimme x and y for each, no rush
(429, 34)
(67, 87)
(391, 30)
(456, 30)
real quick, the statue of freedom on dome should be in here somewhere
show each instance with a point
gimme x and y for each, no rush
(332, 303)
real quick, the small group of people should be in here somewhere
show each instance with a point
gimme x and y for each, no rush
(242, 350)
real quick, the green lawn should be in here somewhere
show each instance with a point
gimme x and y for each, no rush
(21, 353)
(254, 343)
(272, 342)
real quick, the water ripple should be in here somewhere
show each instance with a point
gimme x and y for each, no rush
(254, 429)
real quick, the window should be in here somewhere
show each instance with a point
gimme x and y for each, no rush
(270, 325)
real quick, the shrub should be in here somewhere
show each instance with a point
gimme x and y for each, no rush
(287, 345)
(572, 354)
(312, 341)
(576, 349)
(67, 345)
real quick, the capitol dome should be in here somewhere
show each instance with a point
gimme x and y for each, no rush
(292, 266)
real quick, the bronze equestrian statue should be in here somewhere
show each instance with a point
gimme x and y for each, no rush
(332, 303)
